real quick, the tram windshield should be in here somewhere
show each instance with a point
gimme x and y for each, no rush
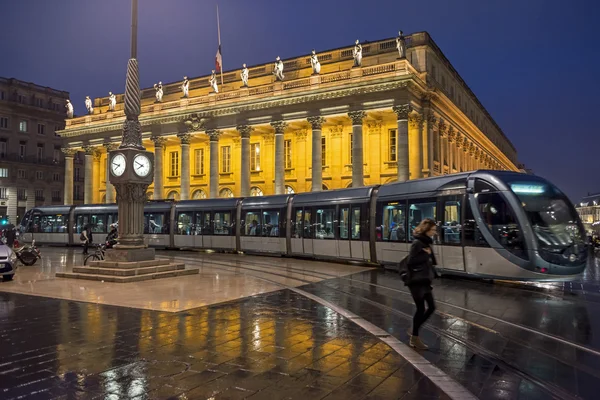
(554, 221)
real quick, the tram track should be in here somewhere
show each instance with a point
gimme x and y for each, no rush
(549, 388)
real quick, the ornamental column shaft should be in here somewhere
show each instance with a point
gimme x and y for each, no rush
(245, 131)
(88, 187)
(159, 151)
(358, 176)
(185, 165)
(68, 190)
(317, 154)
(214, 162)
(279, 167)
(110, 189)
(451, 138)
(402, 112)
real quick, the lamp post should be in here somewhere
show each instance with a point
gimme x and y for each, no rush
(131, 166)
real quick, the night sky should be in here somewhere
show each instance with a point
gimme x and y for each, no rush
(532, 63)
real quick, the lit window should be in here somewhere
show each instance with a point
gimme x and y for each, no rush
(225, 159)
(199, 162)
(323, 151)
(392, 144)
(351, 137)
(174, 171)
(287, 153)
(199, 194)
(3, 193)
(255, 191)
(225, 193)
(289, 189)
(23, 126)
(173, 195)
(255, 157)
(3, 172)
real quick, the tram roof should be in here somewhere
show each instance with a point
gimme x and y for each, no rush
(279, 200)
(203, 204)
(423, 186)
(361, 194)
(53, 209)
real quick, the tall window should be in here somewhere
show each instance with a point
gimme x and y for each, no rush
(22, 150)
(3, 193)
(351, 143)
(56, 177)
(225, 159)
(3, 172)
(255, 191)
(199, 162)
(23, 126)
(323, 151)
(287, 153)
(4, 122)
(2, 148)
(392, 145)
(56, 155)
(254, 157)
(41, 129)
(174, 171)
(21, 194)
(22, 174)
(39, 175)
(40, 152)
(56, 195)
(76, 174)
(39, 194)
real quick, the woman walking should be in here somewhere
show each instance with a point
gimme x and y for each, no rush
(419, 275)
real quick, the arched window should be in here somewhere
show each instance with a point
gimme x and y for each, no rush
(255, 191)
(349, 185)
(325, 187)
(199, 194)
(103, 201)
(289, 189)
(173, 195)
(149, 195)
(226, 193)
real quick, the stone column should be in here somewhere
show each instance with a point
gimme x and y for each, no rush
(214, 162)
(451, 150)
(88, 187)
(443, 133)
(317, 157)
(465, 154)
(357, 147)
(68, 191)
(110, 189)
(245, 131)
(416, 147)
(428, 145)
(402, 112)
(159, 150)
(279, 167)
(185, 165)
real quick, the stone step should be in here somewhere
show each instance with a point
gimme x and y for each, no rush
(127, 279)
(127, 271)
(127, 265)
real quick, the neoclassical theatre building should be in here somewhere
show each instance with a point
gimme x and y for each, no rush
(389, 118)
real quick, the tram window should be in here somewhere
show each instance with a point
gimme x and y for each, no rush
(184, 223)
(206, 224)
(82, 221)
(451, 228)
(222, 223)
(355, 223)
(344, 216)
(197, 223)
(482, 186)
(53, 224)
(98, 222)
(472, 234)
(112, 219)
(270, 223)
(417, 212)
(297, 227)
(325, 223)
(252, 223)
(501, 222)
(392, 221)
(154, 223)
(306, 225)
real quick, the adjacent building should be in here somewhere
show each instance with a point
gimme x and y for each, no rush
(589, 212)
(31, 161)
(388, 119)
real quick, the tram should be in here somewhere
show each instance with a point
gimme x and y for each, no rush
(491, 224)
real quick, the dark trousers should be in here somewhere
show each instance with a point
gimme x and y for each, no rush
(421, 294)
(86, 244)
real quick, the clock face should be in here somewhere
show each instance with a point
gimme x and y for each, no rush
(118, 165)
(141, 165)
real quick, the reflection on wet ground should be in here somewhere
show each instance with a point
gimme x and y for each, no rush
(499, 341)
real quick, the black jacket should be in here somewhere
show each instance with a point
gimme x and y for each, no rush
(420, 264)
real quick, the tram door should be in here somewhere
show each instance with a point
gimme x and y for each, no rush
(449, 250)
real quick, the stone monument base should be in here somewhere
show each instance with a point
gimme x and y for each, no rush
(123, 254)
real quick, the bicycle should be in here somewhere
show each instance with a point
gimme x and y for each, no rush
(97, 255)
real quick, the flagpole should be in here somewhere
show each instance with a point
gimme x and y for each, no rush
(219, 34)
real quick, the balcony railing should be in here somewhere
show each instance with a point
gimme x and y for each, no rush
(32, 160)
(39, 198)
(56, 199)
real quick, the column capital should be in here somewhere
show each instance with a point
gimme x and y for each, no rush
(279, 126)
(213, 134)
(357, 117)
(185, 138)
(69, 152)
(159, 141)
(316, 121)
(89, 150)
(443, 129)
(477, 153)
(415, 120)
(472, 149)
(466, 145)
(431, 119)
(451, 134)
(110, 146)
(402, 110)
(245, 130)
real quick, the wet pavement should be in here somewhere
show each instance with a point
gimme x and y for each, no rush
(499, 341)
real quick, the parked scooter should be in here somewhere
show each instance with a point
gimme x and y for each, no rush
(28, 254)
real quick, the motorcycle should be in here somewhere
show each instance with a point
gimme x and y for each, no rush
(28, 254)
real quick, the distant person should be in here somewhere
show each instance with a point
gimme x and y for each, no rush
(419, 276)
(10, 235)
(86, 238)
(111, 238)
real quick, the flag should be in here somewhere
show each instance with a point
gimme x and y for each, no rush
(218, 60)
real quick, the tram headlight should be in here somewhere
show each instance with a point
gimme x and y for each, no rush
(572, 258)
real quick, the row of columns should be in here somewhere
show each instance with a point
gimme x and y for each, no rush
(450, 143)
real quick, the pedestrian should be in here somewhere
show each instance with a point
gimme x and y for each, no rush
(86, 238)
(419, 276)
(10, 235)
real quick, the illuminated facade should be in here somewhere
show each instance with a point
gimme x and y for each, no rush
(589, 212)
(389, 119)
